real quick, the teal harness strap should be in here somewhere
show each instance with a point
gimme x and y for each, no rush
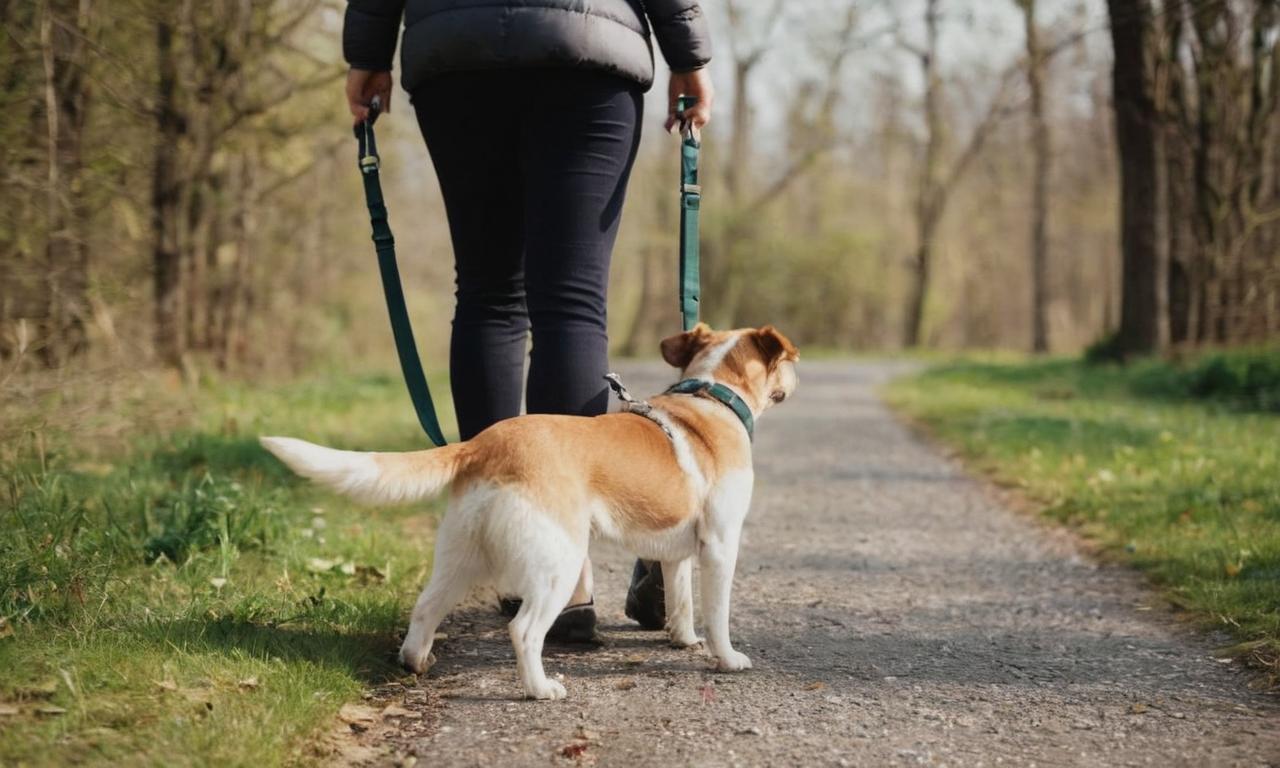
(720, 393)
(385, 244)
(690, 202)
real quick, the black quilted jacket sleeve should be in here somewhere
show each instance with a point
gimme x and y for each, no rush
(682, 33)
(369, 33)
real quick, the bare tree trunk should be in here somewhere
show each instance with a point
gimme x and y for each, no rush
(1180, 179)
(1144, 325)
(1042, 149)
(170, 338)
(739, 129)
(239, 291)
(64, 31)
(930, 195)
(918, 291)
(641, 337)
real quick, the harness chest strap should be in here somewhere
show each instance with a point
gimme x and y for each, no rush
(638, 407)
(714, 390)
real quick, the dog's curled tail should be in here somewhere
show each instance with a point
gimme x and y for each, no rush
(373, 478)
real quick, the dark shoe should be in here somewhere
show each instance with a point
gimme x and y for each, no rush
(576, 625)
(509, 606)
(646, 599)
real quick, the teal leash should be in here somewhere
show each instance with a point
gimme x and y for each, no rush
(385, 244)
(690, 204)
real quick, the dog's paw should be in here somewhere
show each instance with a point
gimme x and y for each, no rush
(548, 690)
(416, 662)
(733, 661)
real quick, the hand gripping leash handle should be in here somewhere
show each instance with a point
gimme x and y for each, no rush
(690, 203)
(385, 245)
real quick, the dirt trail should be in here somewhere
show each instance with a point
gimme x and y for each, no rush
(896, 613)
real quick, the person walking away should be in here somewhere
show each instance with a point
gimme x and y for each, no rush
(531, 112)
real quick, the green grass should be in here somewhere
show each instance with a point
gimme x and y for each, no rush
(184, 600)
(1187, 490)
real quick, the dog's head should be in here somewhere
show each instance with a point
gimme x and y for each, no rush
(758, 363)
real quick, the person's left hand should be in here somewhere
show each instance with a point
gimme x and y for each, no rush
(696, 84)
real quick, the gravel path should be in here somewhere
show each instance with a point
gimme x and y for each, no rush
(896, 613)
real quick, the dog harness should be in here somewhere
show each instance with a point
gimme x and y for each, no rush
(696, 387)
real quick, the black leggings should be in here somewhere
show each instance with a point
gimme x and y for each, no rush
(533, 166)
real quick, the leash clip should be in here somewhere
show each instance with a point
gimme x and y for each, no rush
(638, 407)
(369, 162)
(684, 104)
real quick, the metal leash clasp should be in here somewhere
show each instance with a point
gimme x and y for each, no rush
(684, 104)
(369, 161)
(638, 407)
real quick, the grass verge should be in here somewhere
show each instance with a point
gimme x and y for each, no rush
(1186, 490)
(184, 600)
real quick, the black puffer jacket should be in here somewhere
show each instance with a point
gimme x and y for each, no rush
(458, 35)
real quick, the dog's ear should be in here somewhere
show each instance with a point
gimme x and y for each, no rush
(775, 346)
(679, 350)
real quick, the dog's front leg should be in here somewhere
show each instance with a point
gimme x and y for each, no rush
(718, 536)
(677, 576)
(718, 559)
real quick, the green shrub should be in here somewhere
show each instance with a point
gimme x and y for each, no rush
(1105, 350)
(1242, 378)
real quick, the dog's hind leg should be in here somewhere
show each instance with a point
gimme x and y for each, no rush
(677, 576)
(546, 597)
(455, 569)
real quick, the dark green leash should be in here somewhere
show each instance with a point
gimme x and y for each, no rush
(385, 244)
(690, 203)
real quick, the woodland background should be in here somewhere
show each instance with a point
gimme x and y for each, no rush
(179, 185)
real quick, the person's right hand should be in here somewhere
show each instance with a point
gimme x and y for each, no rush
(362, 86)
(696, 84)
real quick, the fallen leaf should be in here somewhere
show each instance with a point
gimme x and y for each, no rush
(248, 684)
(8, 710)
(320, 564)
(635, 659)
(395, 710)
(357, 714)
(815, 686)
(39, 691)
(625, 685)
(370, 574)
(1138, 709)
(168, 686)
(6, 629)
(574, 749)
(51, 710)
(1233, 570)
(708, 693)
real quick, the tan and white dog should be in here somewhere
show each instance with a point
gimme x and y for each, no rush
(528, 493)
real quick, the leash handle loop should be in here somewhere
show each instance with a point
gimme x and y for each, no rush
(690, 205)
(385, 244)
